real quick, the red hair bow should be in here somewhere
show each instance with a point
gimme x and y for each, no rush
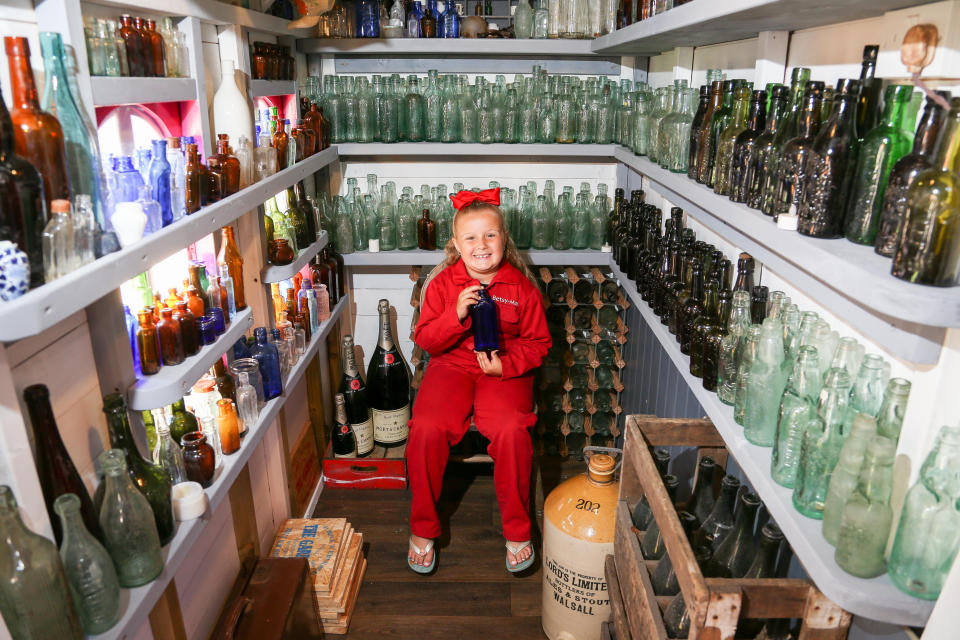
(463, 198)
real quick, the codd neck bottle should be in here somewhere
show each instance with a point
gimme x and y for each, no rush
(745, 360)
(890, 415)
(89, 570)
(928, 534)
(129, 528)
(788, 187)
(829, 168)
(406, 224)
(34, 594)
(726, 140)
(882, 146)
(765, 386)
(719, 522)
(866, 396)
(733, 555)
(797, 408)
(926, 142)
(848, 355)
(927, 249)
(652, 546)
(867, 516)
(820, 448)
(150, 479)
(664, 579)
(745, 148)
(731, 347)
(700, 116)
(764, 154)
(843, 481)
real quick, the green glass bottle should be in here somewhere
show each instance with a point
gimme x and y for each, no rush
(702, 325)
(713, 338)
(763, 566)
(183, 423)
(34, 595)
(704, 142)
(731, 347)
(745, 361)
(928, 535)
(929, 248)
(664, 578)
(787, 188)
(652, 546)
(866, 396)
(727, 139)
(406, 224)
(598, 223)
(843, 481)
(89, 570)
(881, 148)
(641, 515)
(763, 153)
(129, 529)
(797, 407)
(894, 407)
(714, 528)
(765, 386)
(734, 554)
(718, 122)
(149, 478)
(820, 448)
(744, 148)
(867, 516)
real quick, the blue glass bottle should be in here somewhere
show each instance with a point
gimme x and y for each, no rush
(448, 25)
(268, 358)
(241, 349)
(413, 19)
(144, 156)
(368, 19)
(127, 180)
(159, 178)
(132, 336)
(486, 329)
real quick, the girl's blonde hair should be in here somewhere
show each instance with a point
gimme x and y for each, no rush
(510, 252)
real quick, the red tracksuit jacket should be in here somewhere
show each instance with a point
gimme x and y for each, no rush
(523, 324)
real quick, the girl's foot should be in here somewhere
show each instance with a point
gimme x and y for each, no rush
(519, 555)
(420, 555)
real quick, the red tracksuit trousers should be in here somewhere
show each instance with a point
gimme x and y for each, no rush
(503, 412)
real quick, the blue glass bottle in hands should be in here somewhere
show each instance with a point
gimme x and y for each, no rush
(483, 318)
(268, 358)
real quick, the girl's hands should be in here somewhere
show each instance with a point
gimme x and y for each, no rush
(490, 363)
(467, 298)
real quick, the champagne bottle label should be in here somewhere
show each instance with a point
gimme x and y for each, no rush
(390, 426)
(363, 432)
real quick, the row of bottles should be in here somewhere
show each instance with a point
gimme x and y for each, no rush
(293, 222)
(380, 220)
(831, 412)
(135, 47)
(631, 11)
(570, 19)
(271, 62)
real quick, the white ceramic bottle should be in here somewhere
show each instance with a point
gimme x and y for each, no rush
(231, 109)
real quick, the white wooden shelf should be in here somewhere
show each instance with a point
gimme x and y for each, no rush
(172, 383)
(580, 152)
(137, 603)
(109, 90)
(210, 11)
(546, 257)
(414, 47)
(43, 307)
(704, 22)
(849, 279)
(261, 88)
(279, 273)
(877, 598)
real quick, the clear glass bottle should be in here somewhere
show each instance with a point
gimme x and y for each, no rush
(59, 247)
(894, 407)
(168, 454)
(744, 365)
(765, 386)
(797, 407)
(843, 481)
(866, 396)
(247, 406)
(731, 347)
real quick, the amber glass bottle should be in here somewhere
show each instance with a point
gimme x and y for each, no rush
(171, 338)
(38, 136)
(188, 329)
(229, 166)
(214, 180)
(228, 427)
(133, 43)
(156, 57)
(147, 344)
(280, 140)
(230, 255)
(426, 232)
(193, 175)
(146, 46)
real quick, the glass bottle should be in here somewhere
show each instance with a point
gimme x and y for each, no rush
(128, 525)
(148, 345)
(765, 386)
(406, 224)
(150, 479)
(156, 52)
(715, 527)
(133, 46)
(820, 448)
(866, 396)
(843, 481)
(309, 305)
(199, 458)
(894, 407)
(89, 570)
(34, 594)
(867, 516)
(882, 146)
(426, 232)
(745, 362)
(170, 338)
(731, 347)
(734, 555)
(797, 407)
(247, 405)
(689, 308)
(927, 248)
(59, 248)
(701, 501)
(727, 138)
(168, 454)
(652, 546)
(868, 102)
(641, 514)
(38, 136)
(763, 155)
(228, 427)
(664, 578)
(704, 142)
(714, 331)
(268, 358)
(745, 147)
(787, 188)
(830, 168)
(55, 469)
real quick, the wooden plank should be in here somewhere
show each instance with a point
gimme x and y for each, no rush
(823, 619)
(643, 616)
(630, 488)
(526, 598)
(679, 432)
(416, 626)
(617, 611)
(437, 599)
(166, 619)
(723, 612)
(767, 598)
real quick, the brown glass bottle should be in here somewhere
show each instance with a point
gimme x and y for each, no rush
(280, 140)
(225, 382)
(229, 166)
(188, 329)
(171, 338)
(426, 232)
(147, 343)
(214, 180)
(199, 459)
(157, 52)
(690, 310)
(195, 302)
(23, 212)
(228, 427)
(146, 46)
(335, 260)
(258, 62)
(55, 469)
(38, 137)
(428, 24)
(230, 255)
(193, 175)
(133, 43)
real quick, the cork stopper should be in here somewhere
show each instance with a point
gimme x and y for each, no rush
(60, 206)
(602, 465)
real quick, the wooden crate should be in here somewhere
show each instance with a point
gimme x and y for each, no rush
(715, 605)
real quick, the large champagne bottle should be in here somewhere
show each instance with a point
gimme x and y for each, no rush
(388, 386)
(355, 398)
(344, 440)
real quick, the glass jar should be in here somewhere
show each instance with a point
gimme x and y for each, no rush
(249, 367)
(198, 458)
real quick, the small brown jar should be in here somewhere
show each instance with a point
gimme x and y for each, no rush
(188, 329)
(214, 180)
(280, 252)
(199, 458)
(171, 338)
(147, 343)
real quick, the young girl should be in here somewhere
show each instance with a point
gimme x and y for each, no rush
(497, 389)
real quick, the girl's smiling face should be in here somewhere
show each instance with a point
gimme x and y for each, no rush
(480, 241)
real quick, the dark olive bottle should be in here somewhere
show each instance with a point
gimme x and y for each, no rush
(690, 308)
(652, 546)
(744, 147)
(426, 232)
(713, 340)
(786, 131)
(745, 268)
(704, 142)
(678, 290)
(758, 304)
(868, 101)
(702, 325)
(719, 122)
(926, 143)
(764, 566)
(830, 168)
(701, 500)
(183, 423)
(664, 578)
(669, 272)
(791, 181)
(715, 527)
(55, 469)
(733, 555)
(696, 126)
(676, 617)
(152, 481)
(763, 152)
(641, 513)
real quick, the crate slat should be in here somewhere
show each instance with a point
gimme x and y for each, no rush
(635, 585)
(619, 614)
